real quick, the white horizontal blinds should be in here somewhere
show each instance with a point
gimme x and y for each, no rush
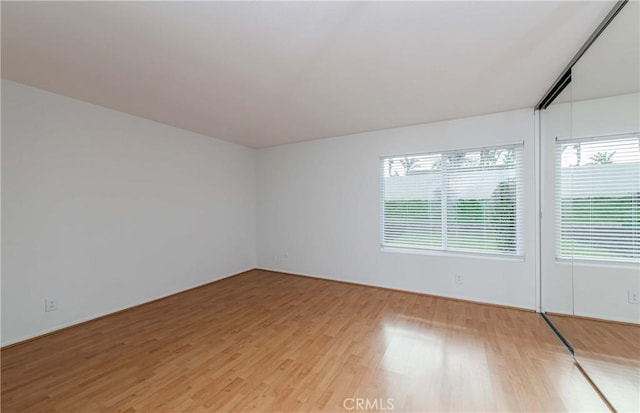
(598, 198)
(411, 206)
(461, 201)
(484, 200)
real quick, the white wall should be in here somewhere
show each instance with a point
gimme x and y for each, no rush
(104, 210)
(319, 212)
(598, 289)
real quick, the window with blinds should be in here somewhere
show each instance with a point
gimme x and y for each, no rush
(467, 201)
(598, 198)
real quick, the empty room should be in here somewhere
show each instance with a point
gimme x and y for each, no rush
(320, 206)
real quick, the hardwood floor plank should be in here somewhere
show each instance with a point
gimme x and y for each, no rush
(264, 341)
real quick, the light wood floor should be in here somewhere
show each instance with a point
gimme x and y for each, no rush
(609, 353)
(264, 341)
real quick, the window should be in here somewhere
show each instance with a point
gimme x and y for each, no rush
(468, 201)
(598, 198)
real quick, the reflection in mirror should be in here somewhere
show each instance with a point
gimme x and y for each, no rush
(596, 220)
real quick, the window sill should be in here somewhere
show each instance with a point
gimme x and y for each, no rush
(584, 262)
(456, 254)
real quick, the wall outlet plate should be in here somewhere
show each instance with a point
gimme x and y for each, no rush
(458, 278)
(633, 297)
(50, 304)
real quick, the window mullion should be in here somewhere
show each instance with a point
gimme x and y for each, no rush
(443, 201)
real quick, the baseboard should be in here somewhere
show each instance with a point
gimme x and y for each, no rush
(530, 310)
(602, 320)
(77, 323)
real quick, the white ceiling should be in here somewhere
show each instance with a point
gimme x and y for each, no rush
(262, 73)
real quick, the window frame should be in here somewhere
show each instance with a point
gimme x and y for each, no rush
(444, 248)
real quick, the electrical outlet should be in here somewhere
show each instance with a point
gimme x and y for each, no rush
(50, 304)
(459, 278)
(633, 297)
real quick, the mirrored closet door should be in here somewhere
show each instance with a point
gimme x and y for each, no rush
(590, 231)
